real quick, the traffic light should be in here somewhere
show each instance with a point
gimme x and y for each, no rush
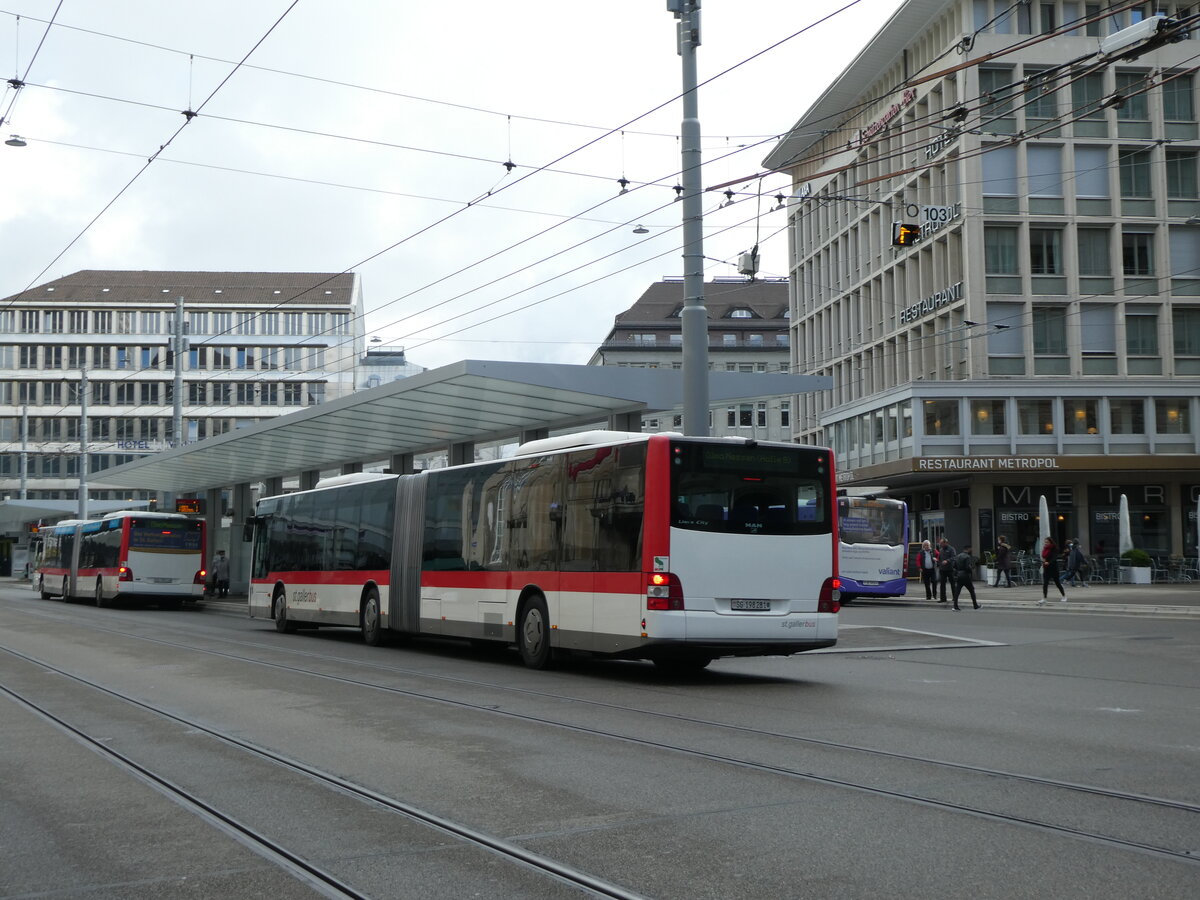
(905, 235)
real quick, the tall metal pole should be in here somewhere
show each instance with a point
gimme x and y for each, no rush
(180, 348)
(694, 316)
(83, 444)
(25, 452)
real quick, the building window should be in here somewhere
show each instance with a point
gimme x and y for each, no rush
(997, 89)
(1095, 258)
(1045, 251)
(197, 358)
(102, 321)
(1141, 334)
(76, 357)
(1091, 172)
(643, 339)
(198, 322)
(245, 393)
(1080, 416)
(150, 394)
(99, 430)
(1087, 96)
(1049, 331)
(101, 393)
(1171, 416)
(941, 418)
(988, 417)
(27, 357)
(740, 313)
(126, 393)
(220, 393)
(222, 322)
(245, 357)
(1127, 416)
(1134, 105)
(52, 322)
(1035, 416)
(1000, 260)
(245, 323)
(31, 321)
(151, 322)
(1044, 166)
(1134, 167)
(150, 357)
(1187, 332)
(340, 322)
(1041, 95)
(316, 323)
(1181, 174)
(1178, 105)
(293, 323)
(729, 340)
(52, 393)
(220, 357)
(293, 395)
(1137, 262)
(196, 393)
(785, 414)
(77, 321)
(126, 321)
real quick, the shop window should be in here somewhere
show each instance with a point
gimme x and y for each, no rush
(941, 418)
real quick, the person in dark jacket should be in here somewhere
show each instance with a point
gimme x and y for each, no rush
(1075, 564)
(927, 563)
(945, 561)
(964, 575)
(1003, 562)
(220, 573)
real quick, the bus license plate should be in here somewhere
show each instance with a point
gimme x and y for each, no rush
(748, 605)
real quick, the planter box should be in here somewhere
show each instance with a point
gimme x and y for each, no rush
(1135, 574)
(989, 576)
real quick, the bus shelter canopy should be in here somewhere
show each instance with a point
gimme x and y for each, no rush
(471, 401)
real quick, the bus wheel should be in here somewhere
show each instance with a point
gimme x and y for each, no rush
(100, 599)
(279, 606)
(533, 634)
(683, 664)
(372, 626)
(42, 589)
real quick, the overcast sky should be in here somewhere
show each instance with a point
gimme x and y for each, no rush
(371, 136)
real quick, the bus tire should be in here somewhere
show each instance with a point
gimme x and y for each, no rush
(46, 595)
(279, 608)
(101, 600)
(533, 634)
(372, 623)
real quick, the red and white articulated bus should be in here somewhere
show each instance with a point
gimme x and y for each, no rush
(129, 555)
(631, 546)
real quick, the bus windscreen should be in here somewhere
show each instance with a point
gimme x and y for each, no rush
(749, 489)
(164, 535)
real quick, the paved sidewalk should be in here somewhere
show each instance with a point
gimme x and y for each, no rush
(1124, 599)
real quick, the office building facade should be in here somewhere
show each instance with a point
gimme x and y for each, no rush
(97, 347)
(1041, 337)
(747, 332)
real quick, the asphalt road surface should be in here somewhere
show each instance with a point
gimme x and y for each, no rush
(1006, 752)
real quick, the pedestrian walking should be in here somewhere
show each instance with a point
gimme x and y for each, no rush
(964, 575)
(1076, 562)
(220, 574)
(945, 561)
(1003, 561)
(927, 563)
(1050, 571)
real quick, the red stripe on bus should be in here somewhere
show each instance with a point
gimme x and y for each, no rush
(345, 578)
(581, 582)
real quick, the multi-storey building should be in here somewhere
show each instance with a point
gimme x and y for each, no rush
(1042, 337)
(260, 344)
(747, 332)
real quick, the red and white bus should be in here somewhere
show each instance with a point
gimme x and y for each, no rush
(635, 546)
(127, 555)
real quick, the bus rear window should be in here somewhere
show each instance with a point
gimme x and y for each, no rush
(148, 534)
(750, 489)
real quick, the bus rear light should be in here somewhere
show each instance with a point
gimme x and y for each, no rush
(200, 577)
(831, 596)
(664, 591)
(125, 574)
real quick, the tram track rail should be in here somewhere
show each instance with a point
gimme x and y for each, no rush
(256, 839)
(1175, 807)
